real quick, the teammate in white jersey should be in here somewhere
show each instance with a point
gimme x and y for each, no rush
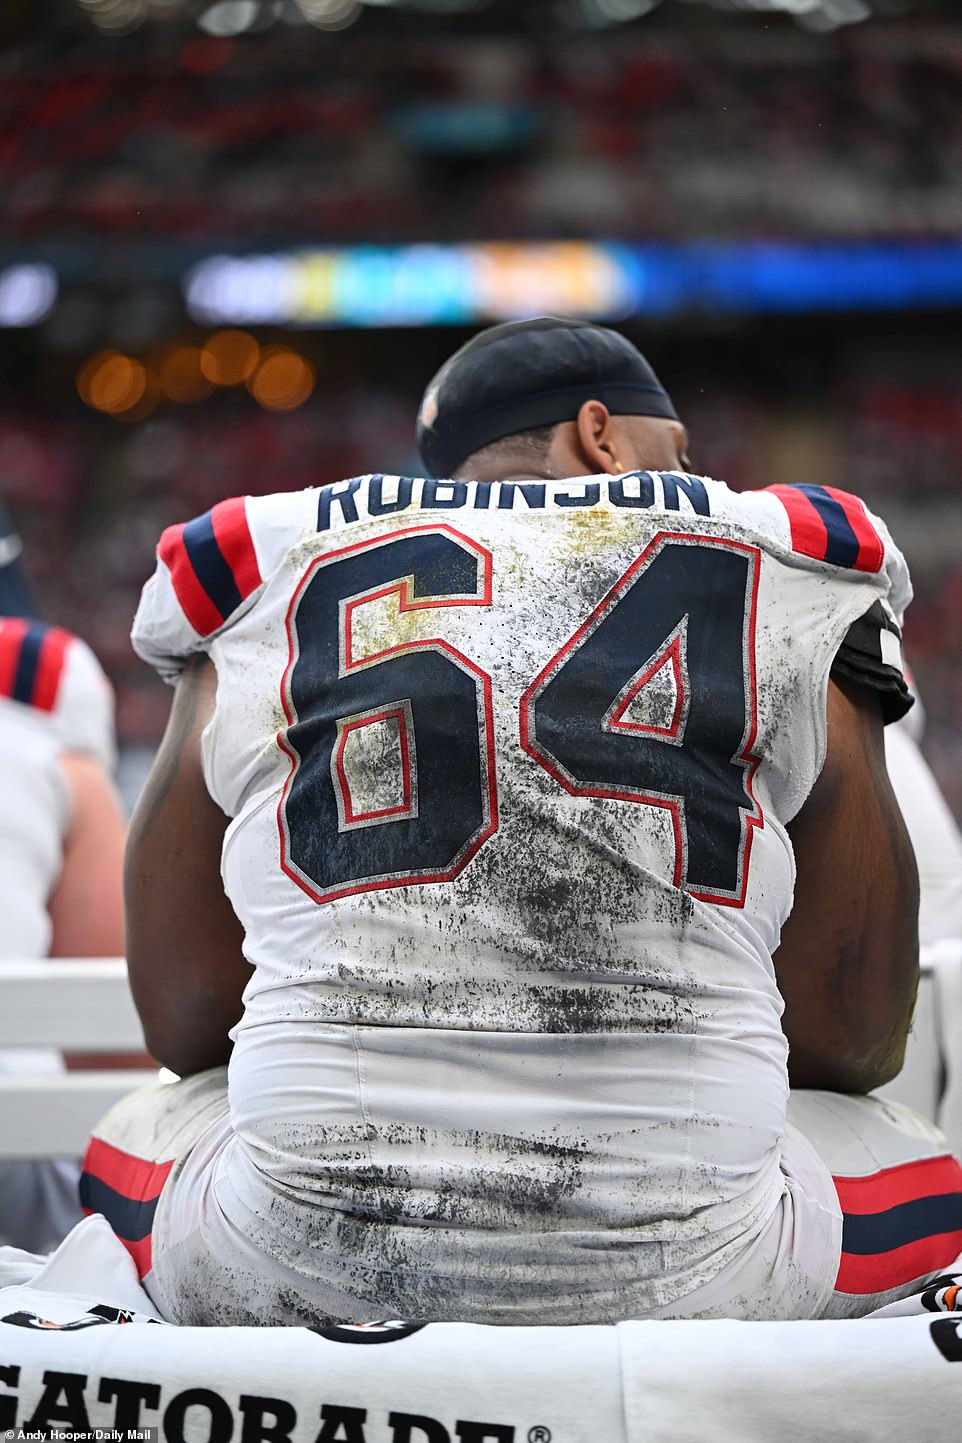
(508, 776)
(930, 1079)
(61, 848)
(935, 833)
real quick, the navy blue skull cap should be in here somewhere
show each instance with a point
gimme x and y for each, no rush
(524, 374)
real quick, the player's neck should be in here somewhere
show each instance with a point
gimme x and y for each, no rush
(518, 471)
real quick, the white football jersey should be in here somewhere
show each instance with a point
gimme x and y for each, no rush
(509, 767)
(935, 834)
(54, 697)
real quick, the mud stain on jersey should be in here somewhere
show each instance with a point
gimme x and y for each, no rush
(481, 1244)
(583, 1009)
(589, 530)
(593, 548)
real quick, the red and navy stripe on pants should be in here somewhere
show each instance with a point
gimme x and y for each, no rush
(32, 660)
(212, 563)
(126, 1190)
(899, 1224)
(831, 525)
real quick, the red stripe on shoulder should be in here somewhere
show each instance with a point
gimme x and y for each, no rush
(12, 631)
(863, 1273)
(871, 549)
(50, 668)
(196, 605)
(809, 533)
(133, 1177)
(929, 1177)
(232, 533)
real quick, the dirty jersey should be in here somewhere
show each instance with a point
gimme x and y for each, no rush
(509, 767)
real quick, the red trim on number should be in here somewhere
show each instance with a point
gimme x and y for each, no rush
(672, 805)
(877, 1272)
(879, 1191)
(196, 605)
(12, 631)
(232, 533)
(430, 644)
(671, 655)
(50, 665)
(746, 755)
(871, 549)
(472, 599)
(403, 807)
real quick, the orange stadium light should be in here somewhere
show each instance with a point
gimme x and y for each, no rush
(229, 358)
(182, 375)
(283, 380)
(112, 382)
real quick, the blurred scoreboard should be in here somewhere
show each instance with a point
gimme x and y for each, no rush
(430, 285)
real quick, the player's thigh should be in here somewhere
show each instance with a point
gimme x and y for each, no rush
(138, 1153)
(899, 1190)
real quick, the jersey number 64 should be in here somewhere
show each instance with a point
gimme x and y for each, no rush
(414, 714)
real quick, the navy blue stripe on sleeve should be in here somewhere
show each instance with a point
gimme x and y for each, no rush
(25, 676)
(841, 548)
(210, 566)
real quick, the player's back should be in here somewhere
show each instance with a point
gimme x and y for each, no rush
(509, 766)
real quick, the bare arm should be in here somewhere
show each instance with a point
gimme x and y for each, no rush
(86, 905)
(187, 971)
(847, 964)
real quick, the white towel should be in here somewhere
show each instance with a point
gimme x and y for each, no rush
(68, 1361)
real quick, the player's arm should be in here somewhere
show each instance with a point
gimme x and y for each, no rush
(187, 970)
(86, 904)
(847, 965)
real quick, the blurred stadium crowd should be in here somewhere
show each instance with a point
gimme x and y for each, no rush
(668, 134)
(169, 142)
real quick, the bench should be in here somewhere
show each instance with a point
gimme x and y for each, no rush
(73, 1004)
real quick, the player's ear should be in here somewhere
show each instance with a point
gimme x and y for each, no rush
(597, 438)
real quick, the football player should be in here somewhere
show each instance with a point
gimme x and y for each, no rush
(929, 1079)
(61, 850)
(519, 837)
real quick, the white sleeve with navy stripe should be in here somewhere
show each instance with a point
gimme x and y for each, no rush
(210, 569)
